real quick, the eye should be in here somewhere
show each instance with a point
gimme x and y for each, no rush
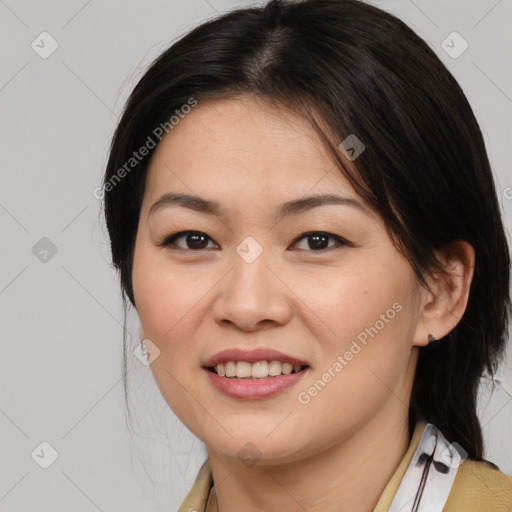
(194, 240)
(319, 241)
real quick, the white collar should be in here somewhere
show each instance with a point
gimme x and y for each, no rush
(429, 477)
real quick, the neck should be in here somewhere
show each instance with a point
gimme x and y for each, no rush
(351, 473)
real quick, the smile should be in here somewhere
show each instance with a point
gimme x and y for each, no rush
(251, 387)
(258, 370)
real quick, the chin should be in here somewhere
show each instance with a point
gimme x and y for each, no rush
(254, 445)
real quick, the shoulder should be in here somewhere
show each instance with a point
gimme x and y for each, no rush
(196, 499)
(477, 487)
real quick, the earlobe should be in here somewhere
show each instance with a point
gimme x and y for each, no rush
(446, 302)
(430, 339)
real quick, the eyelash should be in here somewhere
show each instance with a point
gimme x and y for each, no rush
(169, 240)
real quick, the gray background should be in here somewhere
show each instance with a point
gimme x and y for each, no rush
(61, 313)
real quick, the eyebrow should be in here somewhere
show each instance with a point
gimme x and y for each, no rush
(293, 207)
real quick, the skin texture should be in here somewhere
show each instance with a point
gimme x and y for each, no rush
(338, 451)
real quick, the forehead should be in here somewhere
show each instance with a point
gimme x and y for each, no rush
(245, 145)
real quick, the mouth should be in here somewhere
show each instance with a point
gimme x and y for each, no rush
(245, 370)
(253, 374)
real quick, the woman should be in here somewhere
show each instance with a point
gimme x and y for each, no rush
(303, 214)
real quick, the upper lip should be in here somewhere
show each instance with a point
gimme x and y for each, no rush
(252, 356)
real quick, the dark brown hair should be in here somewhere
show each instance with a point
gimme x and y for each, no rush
(351, 68)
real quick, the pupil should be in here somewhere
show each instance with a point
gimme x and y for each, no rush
(192, 239)
(318, 241)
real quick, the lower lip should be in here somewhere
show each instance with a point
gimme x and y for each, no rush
(252, 389)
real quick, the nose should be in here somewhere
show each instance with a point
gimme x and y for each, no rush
(252, 297)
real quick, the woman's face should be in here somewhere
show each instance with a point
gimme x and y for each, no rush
(318, 282)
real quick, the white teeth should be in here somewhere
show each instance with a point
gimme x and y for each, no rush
(230, 369)
(286, 368)
(274, 368)
(259, 370)
(243, 369)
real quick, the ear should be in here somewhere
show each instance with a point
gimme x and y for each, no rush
(445, 304)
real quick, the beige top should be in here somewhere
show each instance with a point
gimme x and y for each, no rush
(477, 486)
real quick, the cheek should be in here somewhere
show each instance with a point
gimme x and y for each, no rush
(370, 318)
(167, 306)
(360, 373)
(356, 303)
(164, 296)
